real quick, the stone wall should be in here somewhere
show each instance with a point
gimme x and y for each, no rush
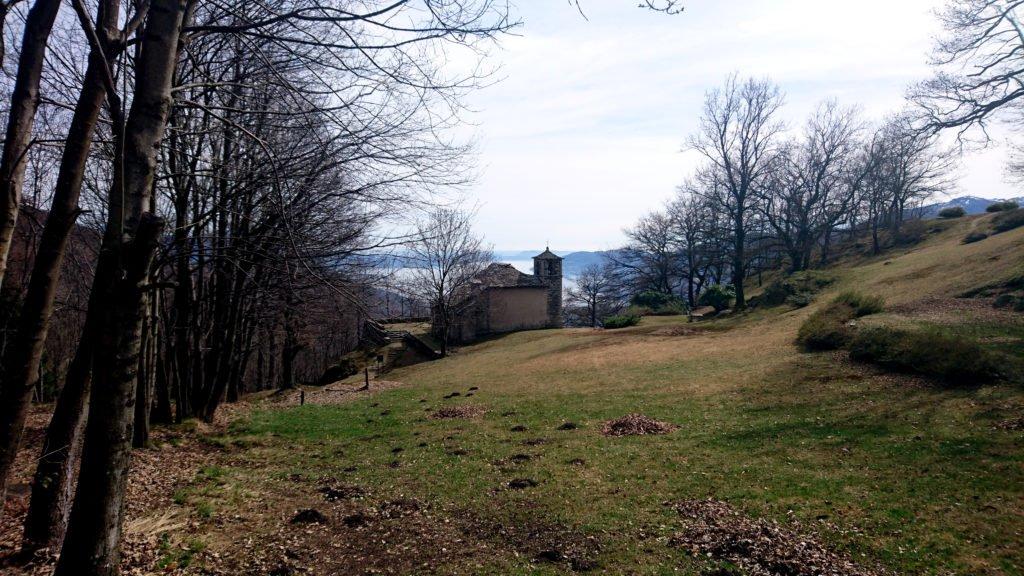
(517, 309)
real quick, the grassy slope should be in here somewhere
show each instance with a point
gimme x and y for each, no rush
(894, 471)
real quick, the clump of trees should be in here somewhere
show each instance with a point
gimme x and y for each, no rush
(766, 197)
(225, 175)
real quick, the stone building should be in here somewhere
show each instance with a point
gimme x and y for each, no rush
(502, 299)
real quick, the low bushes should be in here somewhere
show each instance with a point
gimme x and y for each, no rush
(952, 212)
(974, 237)
(911, 232)
(1008, 220)
(345, 367)
(932, 353)
(652, 303)
(1009, 301)
(861, 304)
(621, 321)
(719, 297)
(797, 289)
(1002, 206)
(830, 328)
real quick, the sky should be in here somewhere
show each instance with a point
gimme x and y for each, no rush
(584, 129)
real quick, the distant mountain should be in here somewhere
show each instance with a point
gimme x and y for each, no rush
(576, 262)
(970, 204)
(572, 263)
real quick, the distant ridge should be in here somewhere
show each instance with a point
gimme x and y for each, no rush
(572, 263)
(970, 204)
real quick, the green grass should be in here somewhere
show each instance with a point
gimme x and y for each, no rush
(906, 474)
(911, 477)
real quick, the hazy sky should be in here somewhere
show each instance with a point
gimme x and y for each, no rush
(584, 133)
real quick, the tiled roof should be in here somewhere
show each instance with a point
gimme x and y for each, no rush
(504, 276)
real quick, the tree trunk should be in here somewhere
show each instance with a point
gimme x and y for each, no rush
(20, 120)
(22, 359)
(94, 527)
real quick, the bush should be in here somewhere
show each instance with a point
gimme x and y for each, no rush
(1008, 220)
(800, 300)
(827, 329)
(911, 232)
(652, 303)
(1002, 206)
(622, 321)
(955, 360)
(797, 289)
(974, 237)
(830, 327)
(719, 297)
(1009, 301)
(952, 212)
(343, 369)
(860, 304)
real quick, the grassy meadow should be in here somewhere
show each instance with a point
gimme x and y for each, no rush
(897, 472)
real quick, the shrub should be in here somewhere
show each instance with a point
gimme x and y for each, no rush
(719, 297)
(1008, 220)
(860, 304)
(830, 327)
(797, 289)
(932, 353)
(800, 300)
(1002, 206)
(621, 321)
(827, 329)
(1004, 301)
(343, 369)
(911, 232)
(952, 212)
(974, 237)
(653, 303)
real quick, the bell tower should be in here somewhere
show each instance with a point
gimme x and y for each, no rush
(547, 267)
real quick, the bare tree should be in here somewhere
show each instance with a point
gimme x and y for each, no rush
(593, 290)
(650, 260)
(978, 65)
(811, 187)
(738, 136)
(446, 258)
(20, 122)
(697, 238)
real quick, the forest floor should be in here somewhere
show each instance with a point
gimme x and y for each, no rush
(496, 461)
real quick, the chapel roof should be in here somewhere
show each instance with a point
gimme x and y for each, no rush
(499, 275)
(547, 254)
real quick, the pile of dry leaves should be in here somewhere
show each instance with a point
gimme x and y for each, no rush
(636, 425)
(760, 547)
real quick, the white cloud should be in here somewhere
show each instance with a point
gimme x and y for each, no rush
(584, 134)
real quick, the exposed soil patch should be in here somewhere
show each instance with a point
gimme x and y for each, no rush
(636, 425)
(543, 542)
(714, 529)
(452, 412)
(519, 428)
(1011, 424)
(569, 426)
(535, 441)
(309, 516)
(522, 483)
(400, 508)
(342, 492)
(676, 331)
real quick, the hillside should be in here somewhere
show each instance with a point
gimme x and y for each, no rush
(493, 461)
